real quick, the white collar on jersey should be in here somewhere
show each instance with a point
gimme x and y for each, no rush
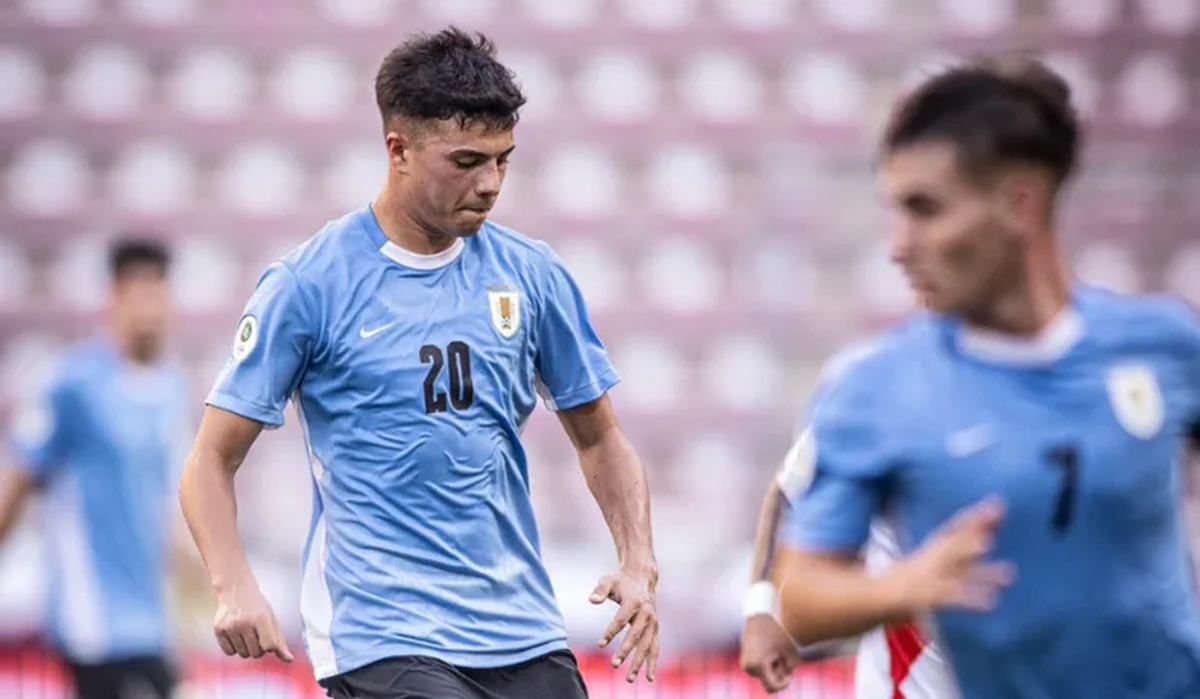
(1052, 343)
(417, 261)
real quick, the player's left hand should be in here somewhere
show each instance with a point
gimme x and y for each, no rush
(635, 593)
(768, 653)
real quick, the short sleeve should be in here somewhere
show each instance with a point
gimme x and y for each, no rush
(271, 350)
(572, 363)
(836, 475)
(40, 432)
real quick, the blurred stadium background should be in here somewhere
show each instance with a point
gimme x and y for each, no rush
(704, 166)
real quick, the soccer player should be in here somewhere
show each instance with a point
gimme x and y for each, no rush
(896, 660)
(413, 336)
(103, 442)
(1024, 437)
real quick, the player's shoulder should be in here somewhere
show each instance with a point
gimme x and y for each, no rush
(1161, 319)
(77, 365)
(528, 261)
(881, 358)
(514, 245)
(337, 241)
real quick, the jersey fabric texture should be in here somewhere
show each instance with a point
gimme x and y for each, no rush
(412, 376)
(105, 442)
(1081, 433)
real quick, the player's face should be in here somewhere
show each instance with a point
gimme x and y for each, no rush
(455, 173)
(950, 235)
(141, 309)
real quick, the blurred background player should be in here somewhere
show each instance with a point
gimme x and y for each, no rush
(411, 335)
(1023, 438)
(103, 444)
(896, 660)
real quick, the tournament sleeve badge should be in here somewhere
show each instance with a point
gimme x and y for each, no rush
(246, 338)
(1137, 400)
(505, 305)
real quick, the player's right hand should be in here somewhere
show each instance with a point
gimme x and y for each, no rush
(950, 569)
(768, 653)
(246, 626)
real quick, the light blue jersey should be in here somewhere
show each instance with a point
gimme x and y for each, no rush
(1081, 433)
(412, 376)
(105, 442)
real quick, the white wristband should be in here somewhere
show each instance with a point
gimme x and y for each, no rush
(761, 598)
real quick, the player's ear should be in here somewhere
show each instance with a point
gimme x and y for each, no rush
(399, 147)
(1023, 200)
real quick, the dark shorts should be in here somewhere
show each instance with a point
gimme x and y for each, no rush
(552, 676)
(136, 678)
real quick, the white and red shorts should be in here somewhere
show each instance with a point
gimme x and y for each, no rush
(899, 661)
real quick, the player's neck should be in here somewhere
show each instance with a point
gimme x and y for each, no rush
(130, 350)
(400, 227)
(1039, 297)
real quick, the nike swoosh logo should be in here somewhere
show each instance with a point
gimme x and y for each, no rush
(970, 441)
(368, 334)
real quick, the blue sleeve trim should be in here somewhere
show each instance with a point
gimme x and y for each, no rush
(588, 393)
(250, 411)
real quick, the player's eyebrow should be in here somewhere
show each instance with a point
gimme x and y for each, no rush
(471, 152)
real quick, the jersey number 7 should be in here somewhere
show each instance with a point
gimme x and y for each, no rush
(1066, 458)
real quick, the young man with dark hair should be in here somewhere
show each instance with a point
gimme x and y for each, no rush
(103, 442)
(1023, 424)
(413, 337)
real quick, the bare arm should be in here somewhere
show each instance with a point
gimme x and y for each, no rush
(769, 517)
(15, 487)
(761, 640)
(206, 494)
(617, 480)
(767, 652)
(826, 596)
(245, 624)
(830, 597)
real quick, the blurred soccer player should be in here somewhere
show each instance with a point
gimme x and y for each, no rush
(896, 660)
(1024, 437)
(410, 335)
(103, 442)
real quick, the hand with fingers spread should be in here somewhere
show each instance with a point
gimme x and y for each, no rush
(768, 653)
(950, 569)
(246, 626)
(634, 593)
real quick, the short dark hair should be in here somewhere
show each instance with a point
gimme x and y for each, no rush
(450, 74)
(130, 253)
(995, 111)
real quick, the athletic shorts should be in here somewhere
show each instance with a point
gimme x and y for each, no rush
(148, 677)
(552, 676)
